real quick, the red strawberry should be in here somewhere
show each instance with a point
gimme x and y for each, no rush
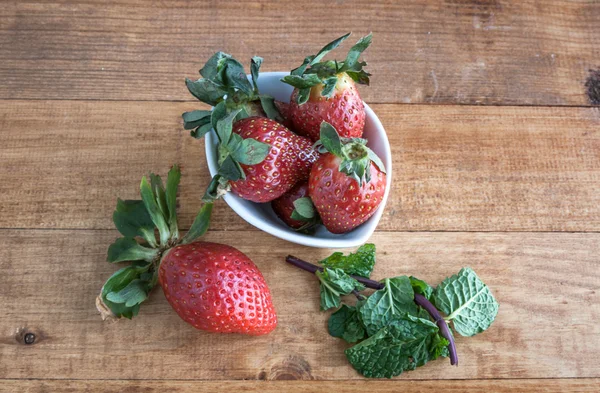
(288, 161)
(217, 288)
(344, 110)
(326, 91)
(211, 286)
(347, 183)
(295, 208)
(286, 116)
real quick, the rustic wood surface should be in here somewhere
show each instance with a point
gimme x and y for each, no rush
(91, 95)
(454, 51)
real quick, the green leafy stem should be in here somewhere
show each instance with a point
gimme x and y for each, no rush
(419, 300)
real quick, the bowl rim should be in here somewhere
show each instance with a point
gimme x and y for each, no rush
(235, 202)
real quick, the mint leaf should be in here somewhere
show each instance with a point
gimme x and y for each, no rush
(399, 347)
(132, 219)
(360, 263)
(334, 284)
(345, 323)
(395, 299)
(421, 287)
(127, 249)
(467, 302)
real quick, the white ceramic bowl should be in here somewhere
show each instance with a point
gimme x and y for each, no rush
(262, 216)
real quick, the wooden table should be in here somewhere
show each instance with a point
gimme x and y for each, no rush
(496, 149)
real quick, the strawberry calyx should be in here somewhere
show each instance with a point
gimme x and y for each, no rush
(139, 221)
(305, 211)
(314, 72)
(224, 85)
(356, 157)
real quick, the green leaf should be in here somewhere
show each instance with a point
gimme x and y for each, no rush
(199, 132)
(159, 191)
(250, 151)
(330, 139)
(231, 170)
(334, 284)
(399, 347)
(132, 219)
(358, 169)
(421, 287)
(225, 125)
(375, 159)
(345, 323)
(361, 77)
(268, 105)
(302, 82)
(127, 249)
(218, 112)
(173, 179)
(235, 76)
(395, 299)
(200, 224)
(154, 210)
(119, 280)
(195, 119)
(254, 68)
(360, 263)
(467, 302)
(329, 86)
(328, 48)
(300, 70)
(304, 210)
(213, 66)
(355, 52)
(206, 91)
(134, 293)
(303, 95)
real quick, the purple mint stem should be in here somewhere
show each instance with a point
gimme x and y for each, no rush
(439, 320)
(419, 300)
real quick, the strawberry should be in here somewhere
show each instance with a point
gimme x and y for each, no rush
(259, 158)
(215, 287)
(326, 91)
(287, 161)
(347, 183)
(211, 286)
(286, 116)
(296, 209)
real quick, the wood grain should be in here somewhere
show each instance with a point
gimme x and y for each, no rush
(456, 168)
(504, 386)
(455, 51)
(547, 284)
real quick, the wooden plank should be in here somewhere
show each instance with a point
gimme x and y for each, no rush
(511, 385)
(530, 52)
(456, 168)
(547, 284)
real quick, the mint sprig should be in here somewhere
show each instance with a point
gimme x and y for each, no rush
(359, 263)
(398, 328)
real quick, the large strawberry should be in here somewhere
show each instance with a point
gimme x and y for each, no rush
(326, 91)
(296, 209)
(212, 286)
(258, 158)
(347, 183)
